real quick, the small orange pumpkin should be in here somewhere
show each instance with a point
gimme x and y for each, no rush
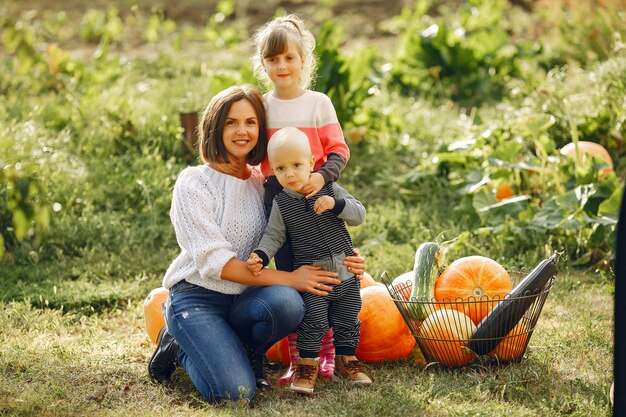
(279, 352)
(504, 191)
(444, 335)
(384, 334)
(587, 149)
(475, 280)
(153, 312)
(512, 347)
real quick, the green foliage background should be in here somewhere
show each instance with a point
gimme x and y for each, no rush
(471, 96)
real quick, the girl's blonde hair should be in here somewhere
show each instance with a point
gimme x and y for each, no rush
(271, 39)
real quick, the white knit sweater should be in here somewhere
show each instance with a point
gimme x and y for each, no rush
(216, 217)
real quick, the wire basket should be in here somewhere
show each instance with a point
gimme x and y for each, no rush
(443, 329)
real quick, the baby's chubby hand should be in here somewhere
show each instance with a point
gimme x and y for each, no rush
(255, 264)
(323, 204)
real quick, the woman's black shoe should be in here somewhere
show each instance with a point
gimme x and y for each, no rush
(163, 361)
(257, 361)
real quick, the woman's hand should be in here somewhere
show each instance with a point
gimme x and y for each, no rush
(355, 264)
(313, 279)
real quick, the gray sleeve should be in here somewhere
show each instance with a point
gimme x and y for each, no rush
(331, 170)
(353, 212)
(275, 233)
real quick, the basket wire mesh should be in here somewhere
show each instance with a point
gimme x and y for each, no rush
(444, 337)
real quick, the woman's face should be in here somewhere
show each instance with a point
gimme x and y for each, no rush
(241, 130)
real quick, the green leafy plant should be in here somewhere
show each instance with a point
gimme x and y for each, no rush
(24, 211)
(466, 55)
(97, 25)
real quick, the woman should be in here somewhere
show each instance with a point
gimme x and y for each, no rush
(220, 317)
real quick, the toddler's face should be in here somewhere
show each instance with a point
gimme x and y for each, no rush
(292, 167)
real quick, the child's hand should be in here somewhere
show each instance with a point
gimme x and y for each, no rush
(255, 264)
(323, 203)
(316, 182)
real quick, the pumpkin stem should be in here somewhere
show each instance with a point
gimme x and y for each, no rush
(477, 292)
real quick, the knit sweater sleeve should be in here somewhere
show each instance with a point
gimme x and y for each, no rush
(197, 232)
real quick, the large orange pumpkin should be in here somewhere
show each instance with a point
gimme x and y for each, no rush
(279, 352)
(367, 281)
(444, 335)
(475, 280)
(153, 312)
(513, 345)
(384, 334)
(588, 149)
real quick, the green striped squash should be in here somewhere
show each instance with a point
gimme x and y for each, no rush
(429, 263)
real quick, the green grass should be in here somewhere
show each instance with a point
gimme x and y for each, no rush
(57, 363)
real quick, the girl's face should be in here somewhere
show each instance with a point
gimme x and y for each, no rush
(241, 130)
(284, 71)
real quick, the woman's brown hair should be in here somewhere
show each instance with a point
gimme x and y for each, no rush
(211, 124)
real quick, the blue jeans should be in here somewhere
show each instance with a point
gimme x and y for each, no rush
(210, 327)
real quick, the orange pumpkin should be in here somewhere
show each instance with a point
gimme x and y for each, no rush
(367, 281)
(474, 280)
(403, 285)
(384, 334)
(504, 191)
(512, 347)
(588, 149)
(153, 312)
(279, 352)
(443, 337)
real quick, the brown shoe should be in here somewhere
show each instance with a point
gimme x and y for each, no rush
(349, 367)
(305, 376)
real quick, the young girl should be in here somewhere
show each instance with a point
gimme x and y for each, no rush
(284, 59)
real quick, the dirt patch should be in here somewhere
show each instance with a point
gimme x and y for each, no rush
(361, 18)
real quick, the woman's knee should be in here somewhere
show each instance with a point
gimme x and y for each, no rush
(264, 315)
(285, 302)
(277, 302)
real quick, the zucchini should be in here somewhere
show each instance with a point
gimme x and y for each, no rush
(429, 262)
(503, 317)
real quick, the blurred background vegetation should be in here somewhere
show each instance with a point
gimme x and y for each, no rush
(455, 113)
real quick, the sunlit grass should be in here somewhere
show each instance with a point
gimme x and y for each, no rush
(66, 363)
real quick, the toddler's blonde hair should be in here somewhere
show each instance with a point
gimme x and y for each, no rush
(271, 39)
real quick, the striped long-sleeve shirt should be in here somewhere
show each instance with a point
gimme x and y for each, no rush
(316, 239)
